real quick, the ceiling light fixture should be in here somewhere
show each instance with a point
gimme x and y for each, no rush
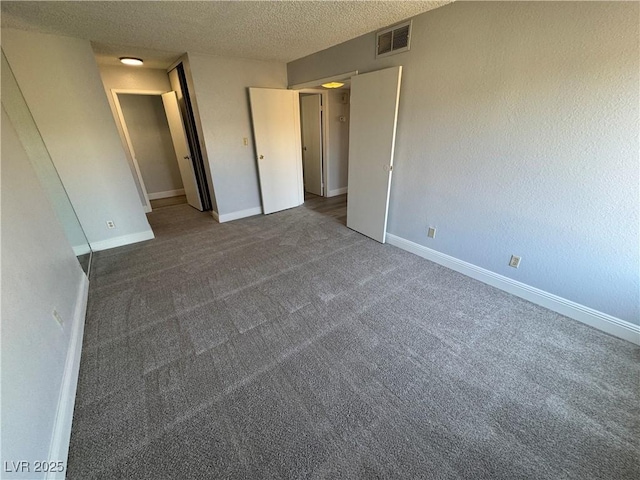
(332, 85)
(131, 60)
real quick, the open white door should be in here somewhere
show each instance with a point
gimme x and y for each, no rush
(276, 128)
(181, 146)
(372, 134)
(311, 108)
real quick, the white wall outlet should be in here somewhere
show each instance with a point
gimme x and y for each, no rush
(57, 317)
(245, 141)
(111, 224)
(514, 262)
(431, 233)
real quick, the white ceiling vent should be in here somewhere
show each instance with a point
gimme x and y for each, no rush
(393, 40)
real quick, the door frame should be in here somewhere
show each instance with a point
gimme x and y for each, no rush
(131, 154)
(324, 131)
(313, 86)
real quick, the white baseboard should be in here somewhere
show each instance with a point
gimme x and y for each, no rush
(167, 194)
(215, 216)
(59, 446)
(123, 240)
(602, 321)
(250, 212)
(337, 191)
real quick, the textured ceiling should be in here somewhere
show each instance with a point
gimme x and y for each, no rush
(159, 31)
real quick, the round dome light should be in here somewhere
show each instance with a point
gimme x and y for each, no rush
(131, 60)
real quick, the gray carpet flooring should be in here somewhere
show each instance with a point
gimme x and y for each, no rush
(168, 201)
(288, 346)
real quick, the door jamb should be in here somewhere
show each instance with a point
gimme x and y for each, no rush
(325, 135)
(312, 87)
(127, 139)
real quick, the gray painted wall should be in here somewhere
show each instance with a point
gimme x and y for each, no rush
(223, 102)
(39, 273)
(59, 79)
(151, 139)
(518, 134)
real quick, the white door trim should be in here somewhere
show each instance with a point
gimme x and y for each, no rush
(127, 139)
(325, 135)
(312, 87)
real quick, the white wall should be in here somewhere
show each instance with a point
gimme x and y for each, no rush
(131, 78)
(59, 79)
(39, 273)
(151, 139)
(518, 134)
(338, 147)
(223, 103)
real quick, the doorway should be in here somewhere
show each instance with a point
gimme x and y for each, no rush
(156, 142)
(324, 123)
(372, 132)
(312, 147)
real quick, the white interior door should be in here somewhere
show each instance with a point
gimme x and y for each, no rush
(276, 128)
(372, 134)
(181, 146)
(311, 114)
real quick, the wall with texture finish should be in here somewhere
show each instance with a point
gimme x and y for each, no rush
(518, 134)
(59, 79)
(223, 102)
(39, 273)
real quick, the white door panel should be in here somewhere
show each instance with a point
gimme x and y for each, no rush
(311, 108)
(372, 132)
(181, 147)
(276, 126)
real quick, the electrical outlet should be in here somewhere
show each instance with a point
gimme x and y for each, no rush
(245, 141)
(110, 224)
(514, 262)
(57, 317)
(431, 233)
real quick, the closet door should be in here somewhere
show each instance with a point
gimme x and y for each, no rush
(181, 147)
